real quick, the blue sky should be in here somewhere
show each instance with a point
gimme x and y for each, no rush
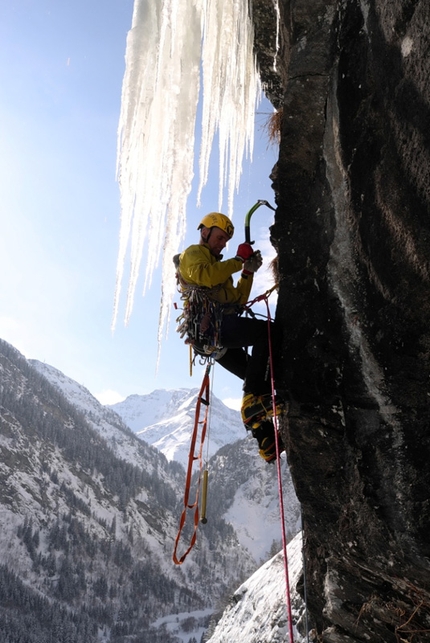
(61, 70)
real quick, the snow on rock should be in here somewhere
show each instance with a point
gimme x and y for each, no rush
(257, 611)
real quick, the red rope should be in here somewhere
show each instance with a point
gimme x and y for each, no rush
(192, 457)
(263, 297)
(280, 491)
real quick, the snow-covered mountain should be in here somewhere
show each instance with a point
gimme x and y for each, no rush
(243, 489)
(88, 518)
(165, 419)
(101, 418)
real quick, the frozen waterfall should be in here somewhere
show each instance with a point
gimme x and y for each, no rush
(171, 44)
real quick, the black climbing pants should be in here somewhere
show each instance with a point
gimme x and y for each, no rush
(240, 333)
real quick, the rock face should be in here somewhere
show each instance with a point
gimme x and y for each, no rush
(352, 231)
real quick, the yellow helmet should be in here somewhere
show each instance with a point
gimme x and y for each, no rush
(219, 220)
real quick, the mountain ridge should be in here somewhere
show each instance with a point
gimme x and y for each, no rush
(255, 517)
(143, 415)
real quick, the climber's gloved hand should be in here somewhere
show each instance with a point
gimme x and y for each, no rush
(252, 264)
(244, 251)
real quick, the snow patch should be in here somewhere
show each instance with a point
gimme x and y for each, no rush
(255, 512)
(407, 45)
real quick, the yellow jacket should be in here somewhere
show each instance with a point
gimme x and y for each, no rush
(198, 267)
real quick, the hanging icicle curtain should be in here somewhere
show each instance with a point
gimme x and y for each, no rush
(172, 43)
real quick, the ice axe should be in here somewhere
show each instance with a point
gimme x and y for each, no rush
(249, 215)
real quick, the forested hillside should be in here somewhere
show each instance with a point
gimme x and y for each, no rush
(86, 537)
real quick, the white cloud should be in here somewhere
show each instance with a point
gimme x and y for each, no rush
(14, 332)
(109, 397)
(234, 403)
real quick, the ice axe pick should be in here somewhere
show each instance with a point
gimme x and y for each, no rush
(249, 215)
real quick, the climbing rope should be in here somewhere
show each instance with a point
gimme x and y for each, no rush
(305, 583)
(278, 464)
(200, 428)
(264, 297)
(195, 454)
(203, 518)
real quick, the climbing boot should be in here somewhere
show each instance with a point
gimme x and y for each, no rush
(257, 408)
(265, 436)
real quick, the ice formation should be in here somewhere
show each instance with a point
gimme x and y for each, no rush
(172, 43)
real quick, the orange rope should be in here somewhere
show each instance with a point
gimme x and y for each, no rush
(199, 428)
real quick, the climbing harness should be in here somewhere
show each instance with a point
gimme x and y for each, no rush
(195, 454)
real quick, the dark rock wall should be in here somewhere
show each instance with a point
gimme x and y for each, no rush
(352, 231)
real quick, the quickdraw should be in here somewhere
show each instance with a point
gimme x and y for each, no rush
(195, 454)
(201, 317)
(263, 297)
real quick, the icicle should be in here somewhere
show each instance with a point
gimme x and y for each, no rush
(156, 135)
(231, 89)
(168, 42)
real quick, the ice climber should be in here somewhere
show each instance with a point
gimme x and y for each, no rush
(213, 324)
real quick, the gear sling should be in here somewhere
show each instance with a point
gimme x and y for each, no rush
(201, 317)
